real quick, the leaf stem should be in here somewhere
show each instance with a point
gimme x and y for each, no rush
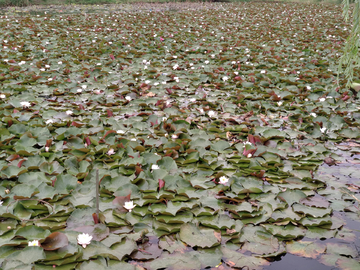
(97, 193)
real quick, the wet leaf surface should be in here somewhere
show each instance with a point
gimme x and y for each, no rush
(55, 241)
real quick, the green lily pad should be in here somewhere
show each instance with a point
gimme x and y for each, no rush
(201, 237)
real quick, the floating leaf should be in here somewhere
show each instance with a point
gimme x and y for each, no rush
(201, 237)
(316, 201)
(306, 249)
(27, 255)
(312, 211)
(32, 232)
(55, 241)
(347, 263)
(236, 259)
(148, 249)
(170, 244)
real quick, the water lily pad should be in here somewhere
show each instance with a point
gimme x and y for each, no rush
(55, 241)
(148, 249)
(171, 244)
(311, 211)
(176, 261)
(306, 249)
(316, 201)
(117, 251)
(236, 259)
(289, 231)
(347, 263)
(32, 232)
(195, 236)
(28, 255)
(292, 196)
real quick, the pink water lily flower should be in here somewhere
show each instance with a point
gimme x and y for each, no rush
(111, 152)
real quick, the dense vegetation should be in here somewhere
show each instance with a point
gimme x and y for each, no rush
(218, 131)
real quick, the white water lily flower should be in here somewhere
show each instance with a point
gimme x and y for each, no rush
(129, 205)
(225, 78)
(111, 152)
(2, 96)
(1, 202)
(69, 112)
(60, 63)
(120, 131)
(321, 99)
(34, 243)
(263, 71)
(155, 167)
(279, 103)
(245, 143)
(249, 156)
(308, 87)
(223, 180)
(49, 121)
(211, 113)
(79, 90)
(25, 104)
(128, 98)
(84, 239)
(323, 129)
(174, 136)
(313, 114)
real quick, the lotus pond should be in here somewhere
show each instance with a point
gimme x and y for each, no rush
(219, 135)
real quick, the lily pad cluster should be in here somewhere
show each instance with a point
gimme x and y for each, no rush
(218, 135)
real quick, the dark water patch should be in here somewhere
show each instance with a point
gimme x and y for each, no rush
(293, 262)
(290, 261)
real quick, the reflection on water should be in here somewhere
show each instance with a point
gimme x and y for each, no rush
(289, 261)
(292, 262)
